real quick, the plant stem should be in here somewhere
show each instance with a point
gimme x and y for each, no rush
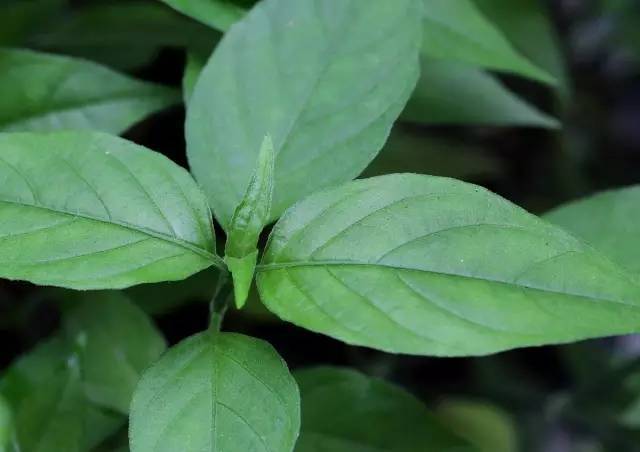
(220, 301)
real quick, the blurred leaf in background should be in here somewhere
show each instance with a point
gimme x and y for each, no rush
(44, 92)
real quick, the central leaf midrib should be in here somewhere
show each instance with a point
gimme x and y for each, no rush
(263, 268)
(130, 227)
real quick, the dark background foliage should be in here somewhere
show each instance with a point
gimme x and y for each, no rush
(565, 398)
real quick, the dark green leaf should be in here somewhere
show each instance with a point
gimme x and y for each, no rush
(609, 221)
(115, 342)
(216, 392)
(43, 92)
(157, 299)
(218, 14)
(344, 411)
(458, 31)
(456, 93)
(413, 151)
(52, 414)
(6, 424)
(85, 210)
(101, 31)
(483, 424)
(19, 18)
(426, 265)
(324, 78)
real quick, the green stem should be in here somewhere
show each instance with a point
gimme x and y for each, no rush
(220, 301)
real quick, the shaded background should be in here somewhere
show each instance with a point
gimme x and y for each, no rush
(568, 398)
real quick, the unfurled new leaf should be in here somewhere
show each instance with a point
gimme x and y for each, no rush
(345, 411)
(609, 221)
(248, 221)
(426, 265)
(325, 78)
(44, 92)
(85, 210)
(216, 392)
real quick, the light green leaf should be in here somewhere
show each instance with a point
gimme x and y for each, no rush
(218, 14)
(427, 265)
(115, 342)
(85, 210)
(457, 93)
(43, 92)
(483, 424)
(227, 393)
(528, 27)
(345, 411)
(610, 221)
(458, 31)
(45, 391)
(192, 70)
(248, 221)
(324, 78)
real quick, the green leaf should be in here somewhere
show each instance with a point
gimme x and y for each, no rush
(43, 92)
(324, 78)
(218, 14)
(427, 265)
(161, 298)
(19, 18)
(116, 342)
(528, 27)
(610, 221)
(411, 150)
(216, 392)
(483, 424)
(450, 92)
(345, 411)
(192, 70)
(458, 31)
(248, 221)
(84, 210)
(6, 424)
(100, 31)
(44, 390)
